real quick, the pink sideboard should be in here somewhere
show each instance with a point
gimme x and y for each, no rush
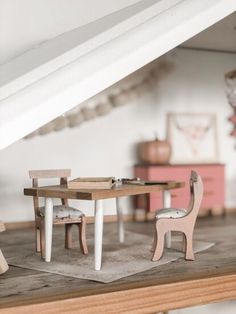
(213, 180)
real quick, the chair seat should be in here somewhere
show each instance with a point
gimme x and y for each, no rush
(171, 213)
(62, 212)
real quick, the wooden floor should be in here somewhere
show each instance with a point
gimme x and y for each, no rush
(211, 277)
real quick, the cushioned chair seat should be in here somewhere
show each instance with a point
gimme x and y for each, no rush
(171, 213)
(62, 212)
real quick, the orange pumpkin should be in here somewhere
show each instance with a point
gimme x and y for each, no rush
(154, 152)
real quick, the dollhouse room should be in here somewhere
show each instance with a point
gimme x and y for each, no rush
(117, 156)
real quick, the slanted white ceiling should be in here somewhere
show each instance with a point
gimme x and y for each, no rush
(65, 48)
(57, 75)
(36, 22)
(219, 37)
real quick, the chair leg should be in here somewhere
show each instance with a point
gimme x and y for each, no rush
(154, 244)
(37, 239)
(68, 236)
(159, 245)
(42, 239)
(184, 243)
(82, 235)
(189, 255)
(37, 234)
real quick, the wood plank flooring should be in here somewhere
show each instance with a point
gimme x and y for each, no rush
(211, 277)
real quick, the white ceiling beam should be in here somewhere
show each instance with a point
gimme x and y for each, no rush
(28, 108)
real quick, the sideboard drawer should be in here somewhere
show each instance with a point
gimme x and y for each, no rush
(212, 176)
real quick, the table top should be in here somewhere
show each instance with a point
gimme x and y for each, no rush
(61, 191)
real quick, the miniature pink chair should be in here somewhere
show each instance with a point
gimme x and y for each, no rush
(183, 220)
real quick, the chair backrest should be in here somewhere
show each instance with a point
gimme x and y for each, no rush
(35, 175)
(49, 173)
(196, 188)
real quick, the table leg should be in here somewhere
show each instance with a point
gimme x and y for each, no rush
(167, 204)
(98, 234)
(48, 221)
(120, 223)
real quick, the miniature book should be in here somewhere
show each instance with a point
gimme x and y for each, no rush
(91, 183)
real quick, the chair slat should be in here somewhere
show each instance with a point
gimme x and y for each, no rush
(50, 173)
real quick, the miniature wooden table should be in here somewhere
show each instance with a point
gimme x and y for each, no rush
(98, 195)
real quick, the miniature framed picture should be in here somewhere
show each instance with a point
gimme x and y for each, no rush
(193, 137)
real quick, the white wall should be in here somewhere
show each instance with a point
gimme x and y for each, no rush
(106, 146)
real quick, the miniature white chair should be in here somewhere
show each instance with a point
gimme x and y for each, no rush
(62, 214)
(183, 220)
(3, 263)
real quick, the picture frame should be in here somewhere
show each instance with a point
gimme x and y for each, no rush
(193, 137)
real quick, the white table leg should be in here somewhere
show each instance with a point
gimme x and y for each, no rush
(98, 234)
(167, 204)
(48, 221)
(120, 223)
